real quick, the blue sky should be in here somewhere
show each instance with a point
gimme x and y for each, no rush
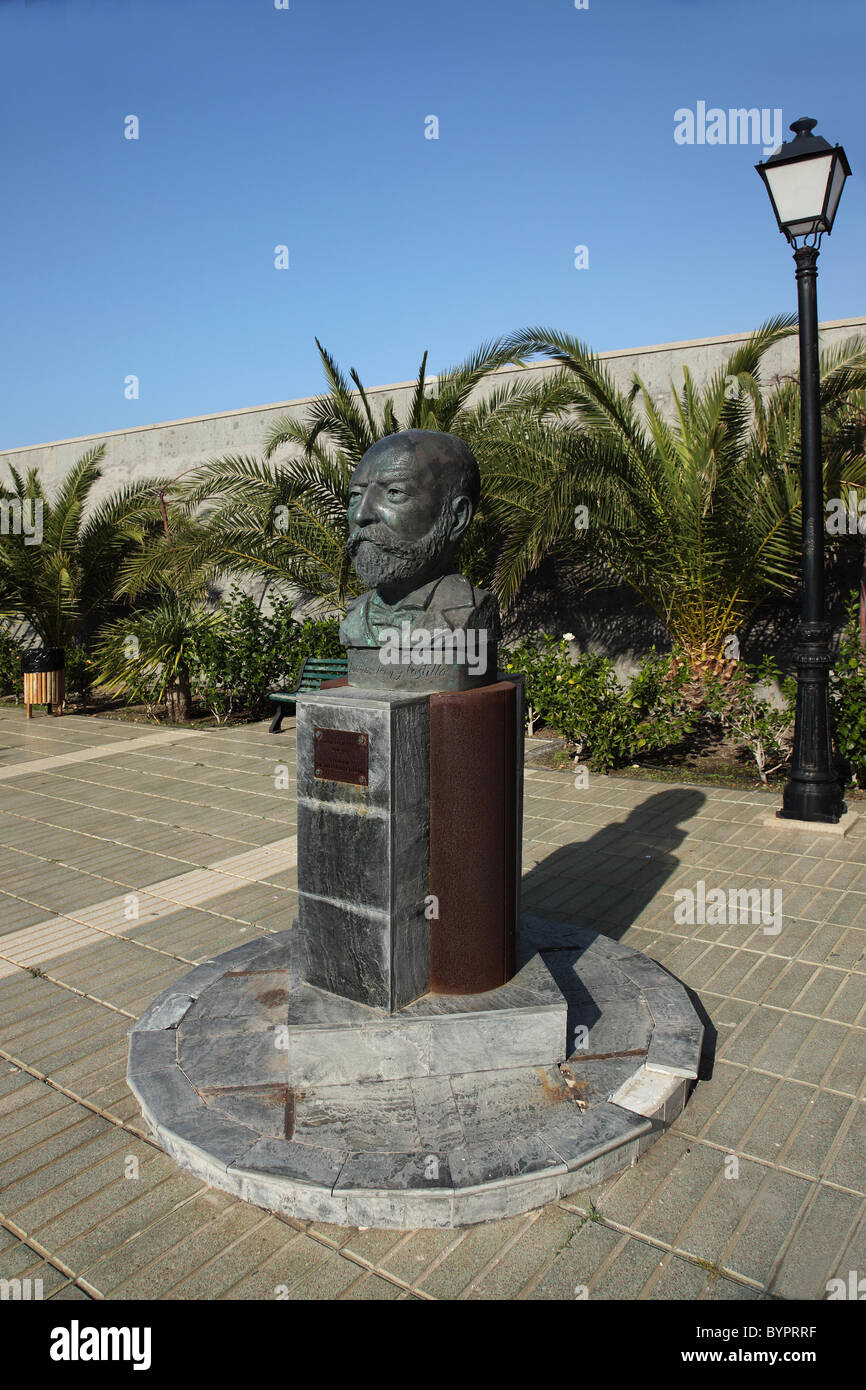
(305, 127)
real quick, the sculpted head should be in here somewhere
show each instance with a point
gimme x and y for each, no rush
(411, 499)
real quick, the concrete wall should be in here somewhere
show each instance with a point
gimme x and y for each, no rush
(611, 622)
(171, 447)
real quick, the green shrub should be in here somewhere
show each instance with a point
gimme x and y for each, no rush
(315, 637)
(80, 673)
(848, 697)
(755, 722)
(250, 653)
(11, 681)
(584, 700)
(235, 663)
(611, 724)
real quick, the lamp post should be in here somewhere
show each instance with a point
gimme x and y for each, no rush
(804, 178)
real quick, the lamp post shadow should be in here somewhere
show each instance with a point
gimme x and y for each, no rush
(615, 874)
(610, 880)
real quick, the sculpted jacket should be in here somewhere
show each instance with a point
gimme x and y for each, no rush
(451, 601)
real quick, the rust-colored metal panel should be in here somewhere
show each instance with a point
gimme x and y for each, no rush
(473, 843)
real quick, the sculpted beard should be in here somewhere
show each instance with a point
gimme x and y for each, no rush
(380, 558)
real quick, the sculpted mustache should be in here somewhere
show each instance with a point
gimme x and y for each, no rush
(381, 542)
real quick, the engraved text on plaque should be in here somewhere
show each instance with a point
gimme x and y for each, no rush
(341, 755)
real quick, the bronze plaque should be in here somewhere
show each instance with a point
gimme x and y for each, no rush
(341, 755)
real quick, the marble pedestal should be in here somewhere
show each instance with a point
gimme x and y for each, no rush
(345, 1131)
(363, 845)
(409, 827)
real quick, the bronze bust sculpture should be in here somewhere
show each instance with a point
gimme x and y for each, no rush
(411, 499)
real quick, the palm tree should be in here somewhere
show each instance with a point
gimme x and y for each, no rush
(282, 519)
(148, 654)
(64, 585)
(844, 441)
(699, 515)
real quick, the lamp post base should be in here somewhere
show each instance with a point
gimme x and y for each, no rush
(813, 791)
(839, 827)
(823, 805)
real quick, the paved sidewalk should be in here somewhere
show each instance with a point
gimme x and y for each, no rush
(130, 854)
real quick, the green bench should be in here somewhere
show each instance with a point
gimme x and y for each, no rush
(314, 672)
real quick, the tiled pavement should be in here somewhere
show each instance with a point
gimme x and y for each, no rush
(147, 852)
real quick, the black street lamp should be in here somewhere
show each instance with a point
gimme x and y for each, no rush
(804, 179)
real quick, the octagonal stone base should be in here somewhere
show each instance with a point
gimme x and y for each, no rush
(357, 1137)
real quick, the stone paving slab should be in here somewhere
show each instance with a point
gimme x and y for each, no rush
(782, 1090)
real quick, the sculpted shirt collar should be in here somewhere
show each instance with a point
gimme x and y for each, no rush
(418, 601)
